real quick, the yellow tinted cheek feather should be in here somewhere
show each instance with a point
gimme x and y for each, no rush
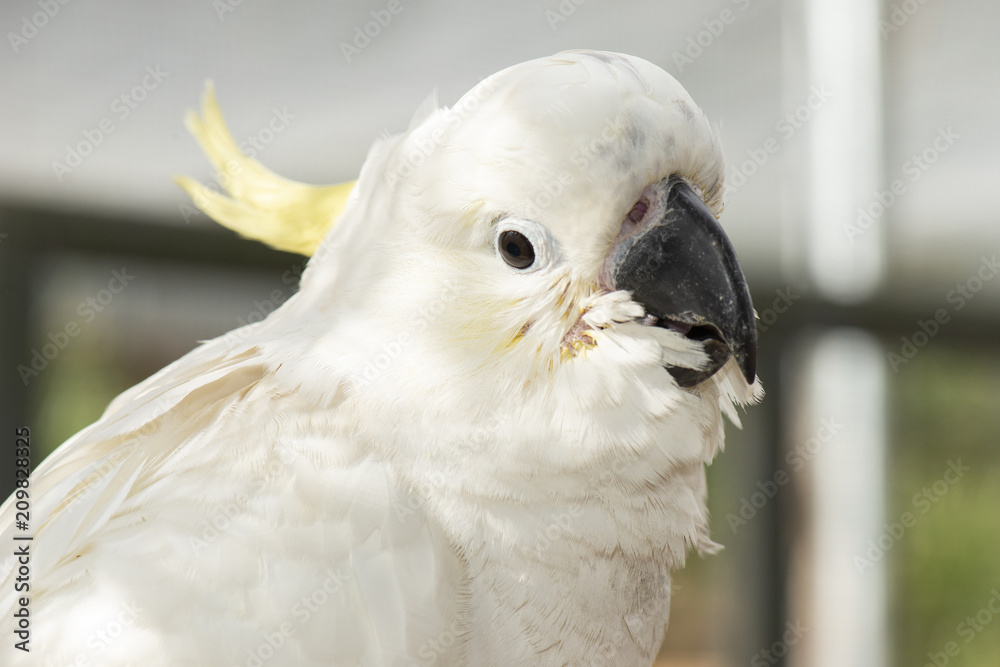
(576, 347)
(260, 205)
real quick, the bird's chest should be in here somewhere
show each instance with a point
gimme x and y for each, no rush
(595, 610)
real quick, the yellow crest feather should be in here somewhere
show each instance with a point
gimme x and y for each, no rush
(284, 214)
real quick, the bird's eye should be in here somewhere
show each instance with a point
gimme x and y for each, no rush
(525, 246)
(516, 249)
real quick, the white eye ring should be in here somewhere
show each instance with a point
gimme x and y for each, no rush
(543, 244)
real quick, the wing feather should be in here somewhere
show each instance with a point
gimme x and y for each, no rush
(205, 511)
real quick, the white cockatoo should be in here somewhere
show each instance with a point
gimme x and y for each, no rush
(475, 436)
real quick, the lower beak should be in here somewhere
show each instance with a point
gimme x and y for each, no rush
(682, 268)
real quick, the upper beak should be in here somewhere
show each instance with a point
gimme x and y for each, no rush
(681, 267)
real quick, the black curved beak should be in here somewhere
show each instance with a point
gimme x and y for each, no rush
(682, 268)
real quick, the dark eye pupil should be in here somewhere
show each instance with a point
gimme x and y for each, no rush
(516, 249)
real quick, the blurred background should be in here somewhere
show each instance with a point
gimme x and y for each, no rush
(860, 504)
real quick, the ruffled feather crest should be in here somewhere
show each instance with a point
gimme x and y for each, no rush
(261, 205)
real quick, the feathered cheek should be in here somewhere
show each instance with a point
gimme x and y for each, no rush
(597, 313)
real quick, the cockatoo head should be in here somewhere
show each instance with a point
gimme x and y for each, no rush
(539, 270)
(546, 192)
